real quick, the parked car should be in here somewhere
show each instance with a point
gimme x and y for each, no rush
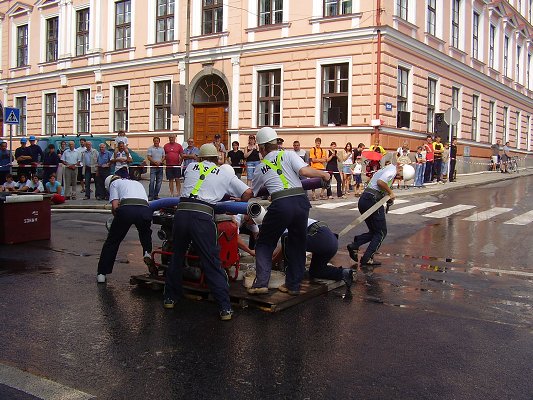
(137, 167)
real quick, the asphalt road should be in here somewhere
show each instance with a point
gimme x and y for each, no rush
(448, 316)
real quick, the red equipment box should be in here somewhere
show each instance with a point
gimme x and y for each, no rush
(25, 222)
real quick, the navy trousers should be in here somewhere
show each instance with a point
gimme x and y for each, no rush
(125, 217)
(377, 227)
(200, 229)
(289, 213)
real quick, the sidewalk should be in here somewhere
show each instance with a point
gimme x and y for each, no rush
(464, 180)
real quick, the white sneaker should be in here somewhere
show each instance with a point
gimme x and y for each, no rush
(100, 278)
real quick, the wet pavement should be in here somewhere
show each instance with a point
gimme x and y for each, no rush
(449, 315)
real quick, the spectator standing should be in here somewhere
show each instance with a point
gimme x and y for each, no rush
(495, 149)
(90, 164)
(156, 159)
(445, 160)
(103, 169)
(357, 170)
(506, 157)
(404, 148)
(252, 157)
(173, 160)
(304, 155)
(23, 157)
(36, 154)
(61, 167)
(332, 167)
(71, 159)
(221, 149)
(347, 162)
(51, 161)
(190, 153)
(80, 177)
(236, 159)
(358, 151)
(5, 162)
(318, 156)
(438, 148)
(428, 147)
(453, 159)
(54, 188)
(420, 167)
(121, 158)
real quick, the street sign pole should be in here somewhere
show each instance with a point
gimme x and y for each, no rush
(10, 148)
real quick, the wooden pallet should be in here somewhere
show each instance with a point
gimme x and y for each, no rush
(272, 302)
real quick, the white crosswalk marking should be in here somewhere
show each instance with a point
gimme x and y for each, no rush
(446, 212)
(485, 215)
(523, 219)
(331, 206)
(414, 207)
(396, 202)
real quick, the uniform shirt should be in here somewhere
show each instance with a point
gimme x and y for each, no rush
(156, 153)
(290, 166)
(216, 184)
(173, 152)
(120, 164)
(386, 175)
(71, 157)
(310, 221)
(239, 219)
(121, 189)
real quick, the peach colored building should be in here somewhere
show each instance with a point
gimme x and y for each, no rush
(342, 70)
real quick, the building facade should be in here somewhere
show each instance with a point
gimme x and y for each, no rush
(342, 70)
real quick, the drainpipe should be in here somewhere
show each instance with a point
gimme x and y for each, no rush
(378, 69)
(186, 122)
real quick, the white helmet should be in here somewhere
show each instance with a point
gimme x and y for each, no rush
(208, 150)
(408, 172)
(266, 134)
(227, 168)
(110, 179)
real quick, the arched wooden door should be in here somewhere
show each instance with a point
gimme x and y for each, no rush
(210, 105)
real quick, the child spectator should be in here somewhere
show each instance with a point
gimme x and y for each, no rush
(445, 159)
(35, 185)
(405, 160)
(22, 184)
(54, 188)
(121, 137)
(420, 160)
(9, 184)
(357, 171)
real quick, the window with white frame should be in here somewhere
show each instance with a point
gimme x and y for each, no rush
(456, 15)
(492, 39)
(455, 103)
(517, 129)
(431, 101)
(475, 114)
(269, 97)
(22, 45)
(82, 32)
(337, 7)
(492, 110)
(505, 118)
(506, 55)
(475, 36)
(431, 16)
(518, 78)
(20, 103)
(83, 106)
(270, 12)
(50, 117)
(162, 101)
(528, 132)
(212, 16)
(165, 21)
(120, 108)
(52, 26)
(402, 9)
(122, 24)
(402, 91)
(335, 94)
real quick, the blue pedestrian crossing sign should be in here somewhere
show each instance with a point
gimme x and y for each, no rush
(11, 116)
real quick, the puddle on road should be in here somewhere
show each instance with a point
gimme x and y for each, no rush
(8, 266)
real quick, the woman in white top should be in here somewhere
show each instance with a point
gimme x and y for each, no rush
(346, 167)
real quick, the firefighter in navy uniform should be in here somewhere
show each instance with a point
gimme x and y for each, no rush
(205, 184)
(130, 207)
(279, 173)
(379, 186)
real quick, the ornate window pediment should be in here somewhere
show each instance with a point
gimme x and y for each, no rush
(19, 8)
(46, 3)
